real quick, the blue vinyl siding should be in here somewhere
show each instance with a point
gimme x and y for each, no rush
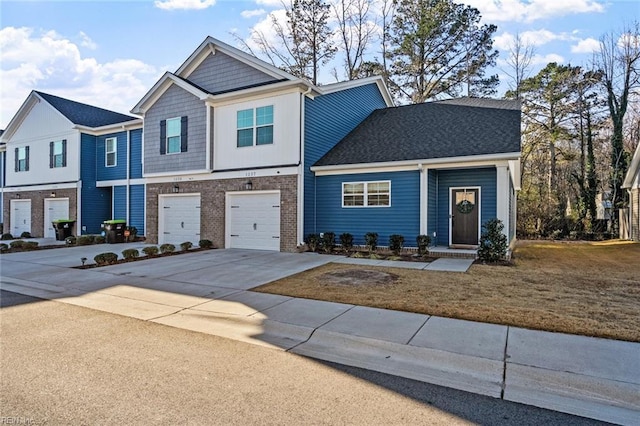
(485, 178)
(119, 171)
(135, 145)
(136, 209)
(432, 203)
(95, 202)
(328, 119)
(402, 217)
(119, 202)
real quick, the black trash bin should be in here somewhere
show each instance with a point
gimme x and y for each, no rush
(114, 230)
(63, 228)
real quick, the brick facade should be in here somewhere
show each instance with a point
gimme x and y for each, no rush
(212, 205)
(37, 208)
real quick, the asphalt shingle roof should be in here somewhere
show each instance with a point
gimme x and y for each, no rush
(83, 114)
(430, 131)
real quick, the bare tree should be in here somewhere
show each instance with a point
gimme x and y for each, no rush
(518, 64)
(356, 29)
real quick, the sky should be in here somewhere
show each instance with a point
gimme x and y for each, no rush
(110, 53)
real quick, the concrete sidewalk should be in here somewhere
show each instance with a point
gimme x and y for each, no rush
(209, 292)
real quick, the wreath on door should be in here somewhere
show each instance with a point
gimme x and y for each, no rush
(465, 206)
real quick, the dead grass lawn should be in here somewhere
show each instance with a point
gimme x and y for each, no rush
(584, 288)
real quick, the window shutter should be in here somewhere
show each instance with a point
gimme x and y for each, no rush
(26, 155)
(64, 153)
(51, 155)
(163, 137)
(16, 160)
(183, 134)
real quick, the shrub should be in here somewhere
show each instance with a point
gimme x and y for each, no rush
(493, 243)
(396, 243)
(30, 245)
(99, 239)
(6, 236)
(371, 240)
(313, 241)
(17, 245)
(106, 258)
(423, 242)
(3, 247)
(150, 250)
(167, 248)
(25, 234)
(130, 253)
(328, 241)
(71, 240)
(346, 241)
(205, 244)
(186, 245)
(84, 240)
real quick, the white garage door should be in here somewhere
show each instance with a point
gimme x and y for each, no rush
(20, 217)
(253, 221)
(179, 219)
(54, 209)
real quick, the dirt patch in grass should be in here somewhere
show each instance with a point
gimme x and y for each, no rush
(584, 288)
(358, 277)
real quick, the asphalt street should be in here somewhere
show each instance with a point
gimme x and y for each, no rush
(63, 364)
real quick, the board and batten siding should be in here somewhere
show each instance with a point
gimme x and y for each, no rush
(222, 73)
(485, 178)
(328, 119)
(96, 202)
(175, 102)
(402, 217)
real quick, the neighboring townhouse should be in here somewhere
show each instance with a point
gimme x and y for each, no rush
(69, 160)
(3, 166)
(442, 169)
(632, 185)
(228, 145)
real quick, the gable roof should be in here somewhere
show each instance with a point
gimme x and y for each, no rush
(429, 131)
(634, 169)
(83, 114)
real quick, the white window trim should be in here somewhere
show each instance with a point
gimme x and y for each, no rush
(166, 139)
(255, 127)
(366, 194)
(107, 152)
(61, 155)
(22, 150)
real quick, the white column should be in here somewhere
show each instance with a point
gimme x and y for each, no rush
(502, 197)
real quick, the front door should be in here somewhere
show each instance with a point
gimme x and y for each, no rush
(465, 214)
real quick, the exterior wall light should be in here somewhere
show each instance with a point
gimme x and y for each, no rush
(176, 189)
(53, 194)
(248, 186)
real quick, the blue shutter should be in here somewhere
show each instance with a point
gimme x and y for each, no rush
(183, 134)
(163, 137)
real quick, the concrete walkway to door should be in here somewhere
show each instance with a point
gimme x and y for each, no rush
(209, 292)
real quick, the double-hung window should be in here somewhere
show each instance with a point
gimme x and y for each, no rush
(173, 135)
(111, 152)
(366, 194)
(57, 154)
(22, 159)
(255, 126)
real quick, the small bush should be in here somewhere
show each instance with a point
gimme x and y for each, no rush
(346, 241)
(99, 239)
(167, 248)
(106, 258)
(84, 240)
(205, 244)
(423, 242)
(313, 241)
(25, 234)
(150, 250)
(17, 245)
(396, 243)
(71, 240)
(371, 240)
(3, 247)
(6, 236)
(30, 245)
(328, 241)
(186, 245)
(130, 253)
(493, 243)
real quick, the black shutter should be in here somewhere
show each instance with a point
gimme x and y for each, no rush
(64, 153)
(17, 162)
(163, 137)
(26, 155)
(183, 134)
(51, 155)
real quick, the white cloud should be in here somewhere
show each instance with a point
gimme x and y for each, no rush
(536, 38)
(87, 42)
(51, 63)
(252, 13)
(588, 45)
(545, 59)
(532, 10)
(270, 3)
(184, 4)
